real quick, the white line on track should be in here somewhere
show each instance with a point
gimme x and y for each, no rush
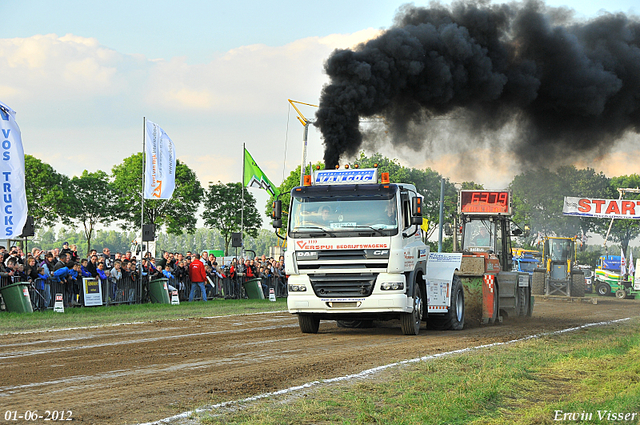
(372, 371)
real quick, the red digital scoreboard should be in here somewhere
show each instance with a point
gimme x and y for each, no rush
(489, 202)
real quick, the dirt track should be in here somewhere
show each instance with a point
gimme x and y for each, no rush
(139, 373)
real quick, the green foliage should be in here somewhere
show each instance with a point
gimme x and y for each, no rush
(223, 211)
(92, 202)
(177, 214)
(48, 194)
(538, 198)
(623, 231)
(285, 188)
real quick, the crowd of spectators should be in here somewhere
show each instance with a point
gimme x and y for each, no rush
(65, 268)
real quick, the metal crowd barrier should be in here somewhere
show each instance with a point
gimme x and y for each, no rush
(130, 291)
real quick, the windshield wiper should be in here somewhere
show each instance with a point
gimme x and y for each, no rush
(322, 229)
(379, 231)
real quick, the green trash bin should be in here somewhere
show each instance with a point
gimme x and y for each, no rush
(16, 297)
(159, 292)
(253, 288)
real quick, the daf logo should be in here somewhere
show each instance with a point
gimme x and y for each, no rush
(307, 255)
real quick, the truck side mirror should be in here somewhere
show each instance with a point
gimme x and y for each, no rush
(276, 214)
(416, 210)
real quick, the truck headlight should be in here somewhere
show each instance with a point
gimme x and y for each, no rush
(392, 286)
(297, 288)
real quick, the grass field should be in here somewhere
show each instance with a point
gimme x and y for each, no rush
(95, 316)
(587, 376)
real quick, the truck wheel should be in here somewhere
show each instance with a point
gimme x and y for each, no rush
(454, 318)
(621, 294)
(537, 283)
(496, 304)
(411, 321)
(523, 301)
(309, 323)
(577, 285)
(603, 289)
(355, 323)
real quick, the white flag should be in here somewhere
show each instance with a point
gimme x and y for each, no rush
(160, 167)
(623, 265)
(13, 205)
(632, 268)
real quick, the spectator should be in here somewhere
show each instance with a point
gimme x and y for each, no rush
(62, 262)
(65, 278)
(164, 260)
(92, 266)
(115, 278)
(102, 274)
(106, 255)
(74, 253)
(198, 277)
(264, 278)
(65, 249)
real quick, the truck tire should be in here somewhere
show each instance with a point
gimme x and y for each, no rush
(537, 283)
(578, 285)
(603, 289)
(523, 301)
(309, 323)
(454, 318)
(411, 321)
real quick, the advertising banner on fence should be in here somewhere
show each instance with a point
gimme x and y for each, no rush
(601, 208)
(160, 167)
(92, 292)
(13, 202)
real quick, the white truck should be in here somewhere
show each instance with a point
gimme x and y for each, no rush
(355, 254)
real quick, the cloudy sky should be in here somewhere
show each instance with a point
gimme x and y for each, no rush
(82, 74)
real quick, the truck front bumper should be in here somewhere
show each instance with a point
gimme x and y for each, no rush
(379, 302)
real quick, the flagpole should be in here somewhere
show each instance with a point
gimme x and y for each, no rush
(144, 140)
(242, 208)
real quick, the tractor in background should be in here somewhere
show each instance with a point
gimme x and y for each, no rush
(559, 274)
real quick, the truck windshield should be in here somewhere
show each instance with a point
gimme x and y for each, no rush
(360, 212)
(528, 266)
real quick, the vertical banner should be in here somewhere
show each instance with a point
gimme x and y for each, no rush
(13, 203)
(160, 166)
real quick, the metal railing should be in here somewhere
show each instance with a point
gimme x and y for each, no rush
(133, 291)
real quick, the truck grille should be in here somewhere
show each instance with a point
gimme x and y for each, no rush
(343, 285)
(344, 260)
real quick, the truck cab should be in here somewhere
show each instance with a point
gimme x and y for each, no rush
(355, 251)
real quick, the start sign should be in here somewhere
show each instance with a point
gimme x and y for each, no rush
(601, 208)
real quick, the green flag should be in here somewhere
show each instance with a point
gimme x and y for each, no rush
(254, 177)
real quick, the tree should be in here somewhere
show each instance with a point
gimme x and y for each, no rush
(623, 231)
(538, 198)
(223, 211)
(178, 214)
(47, 192)
(92, 201)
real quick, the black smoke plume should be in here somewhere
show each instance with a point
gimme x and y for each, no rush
(567, 86)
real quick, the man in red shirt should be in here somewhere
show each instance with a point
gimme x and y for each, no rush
(198, 276)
